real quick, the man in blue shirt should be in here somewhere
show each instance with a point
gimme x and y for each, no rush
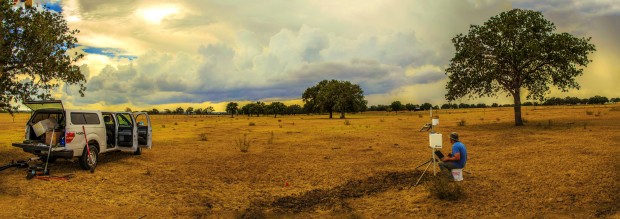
(458, 157)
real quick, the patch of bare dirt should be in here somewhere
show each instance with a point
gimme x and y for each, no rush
(334, 198)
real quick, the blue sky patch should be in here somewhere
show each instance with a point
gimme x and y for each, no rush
(54, 6)
(109, 52)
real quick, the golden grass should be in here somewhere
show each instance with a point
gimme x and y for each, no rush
(563, 163)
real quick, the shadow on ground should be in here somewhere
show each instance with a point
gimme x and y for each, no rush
(333, 198)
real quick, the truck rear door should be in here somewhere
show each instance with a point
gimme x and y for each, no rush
(127, 138)
(145, 130)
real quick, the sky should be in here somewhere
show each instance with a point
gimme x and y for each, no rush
(148, 54)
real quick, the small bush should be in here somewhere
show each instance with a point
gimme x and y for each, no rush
(243, 143)
(271, 137)
(203, 137)
(443, 188)
(163, 126)
(461, 123)
(175, 123)
(347, 122)
(381, 120)
(497, 119)
(420, 116)
(280, 125)
(588, 112)
(252, 124)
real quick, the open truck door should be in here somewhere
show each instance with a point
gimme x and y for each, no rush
(145, 130)
(127, 137)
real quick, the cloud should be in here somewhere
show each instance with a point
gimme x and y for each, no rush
(205, 51)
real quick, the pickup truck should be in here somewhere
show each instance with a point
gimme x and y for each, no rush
(66, 132)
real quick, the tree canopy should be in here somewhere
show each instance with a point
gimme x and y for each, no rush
(512, 51)
(232, 108)
(34, 55)
(334, 95)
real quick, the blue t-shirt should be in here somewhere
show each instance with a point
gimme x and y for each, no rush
(459, 147)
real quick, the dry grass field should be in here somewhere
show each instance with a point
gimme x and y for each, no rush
(564, 163)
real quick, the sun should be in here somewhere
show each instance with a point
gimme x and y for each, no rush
(155, 15)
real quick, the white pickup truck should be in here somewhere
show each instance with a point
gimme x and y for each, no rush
(105, 131)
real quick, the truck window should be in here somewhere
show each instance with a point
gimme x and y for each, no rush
(42, 116)
(122, 120)
(85, 118)
(78, 118)
(92, 118)
(141, 120)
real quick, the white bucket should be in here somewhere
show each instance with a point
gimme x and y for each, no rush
(457, 174)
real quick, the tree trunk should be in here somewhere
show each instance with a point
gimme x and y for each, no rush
(517, 107)
(274, 115)
(342, 114)
(331, 113)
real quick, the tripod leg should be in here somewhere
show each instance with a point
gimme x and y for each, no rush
(427, 166)
(423, 164)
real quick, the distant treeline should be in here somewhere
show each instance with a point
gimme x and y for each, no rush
(261, 108)
(553, 101)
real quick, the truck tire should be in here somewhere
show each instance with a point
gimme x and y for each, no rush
(138, 151)
(84, 158)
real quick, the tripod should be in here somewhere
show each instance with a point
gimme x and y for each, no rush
(435, 143)
(430, 162)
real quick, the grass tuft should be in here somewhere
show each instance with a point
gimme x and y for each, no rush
(461, 123)
(243, 143)
(347, 122)
(203, 137)
(271, 137)
(251, 124)
(443, 188)
(589, 113)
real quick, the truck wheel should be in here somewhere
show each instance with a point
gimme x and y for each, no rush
(138, 151)
(85, 163)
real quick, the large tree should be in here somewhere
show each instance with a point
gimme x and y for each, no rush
(232, 108)
(396, 106)
(334, 95)
(515, 50)
(34, 57)
(277, 108)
